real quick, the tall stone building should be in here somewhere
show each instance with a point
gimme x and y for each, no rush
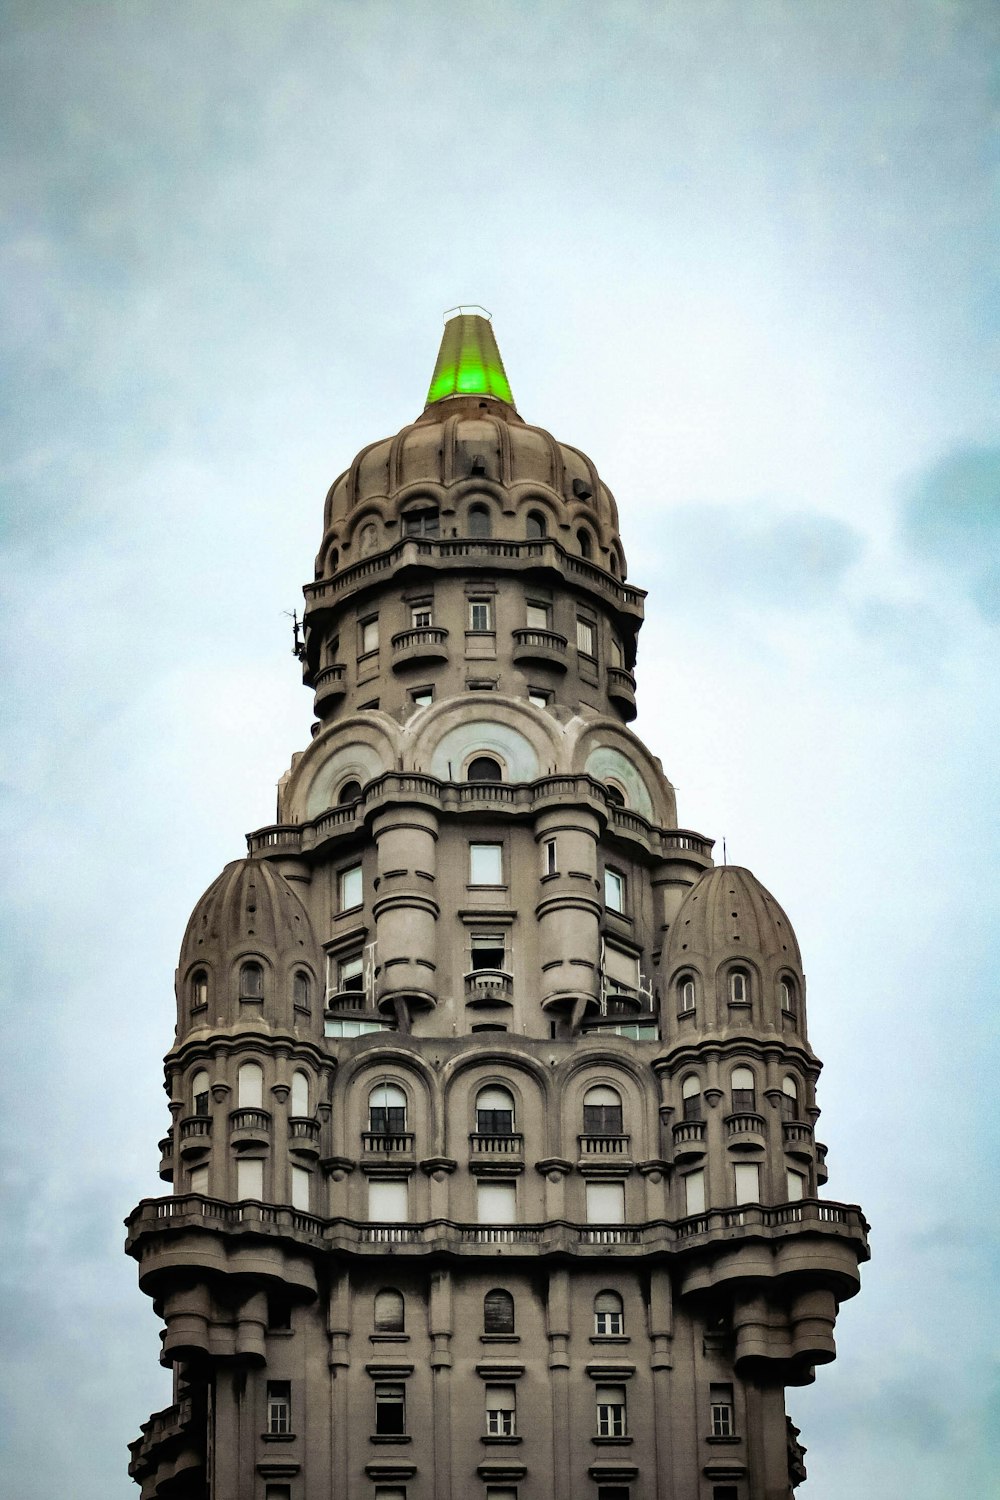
(492, 1148)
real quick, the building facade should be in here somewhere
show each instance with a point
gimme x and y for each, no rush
(492, 1149)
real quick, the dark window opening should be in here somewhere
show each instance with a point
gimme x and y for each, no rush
(602, 1119)
(535, 527)
(498, 1312)
(480, 522)
(390, 1410)
(349, 792)
(484, 768)
(251, 982)
(424, 522)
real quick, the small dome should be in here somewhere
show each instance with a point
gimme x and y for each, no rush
(250, 906)
(728, 913)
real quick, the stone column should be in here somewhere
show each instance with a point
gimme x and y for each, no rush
(557, 1321)
(661, 1333)
(405, 907)
(441, 1327)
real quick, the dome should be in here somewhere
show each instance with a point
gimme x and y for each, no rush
(728, 913)
(249, 907)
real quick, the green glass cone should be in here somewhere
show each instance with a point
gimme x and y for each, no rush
(468, 362)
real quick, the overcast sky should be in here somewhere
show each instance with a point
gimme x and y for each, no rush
(740, 252)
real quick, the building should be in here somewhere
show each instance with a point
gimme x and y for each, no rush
(492, 1145)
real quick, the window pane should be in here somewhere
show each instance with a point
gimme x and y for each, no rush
(387, 1202)
(614, 890)
(694, 1188)
(300, 1189)
(498, 1312)
(536, 617)
(351, 889)
(796, 1186)
(250, 1087)
(605, 1203)
(485, 864)
(369, 636)
(496, 1203)
(747, 1183)
(300, 1094)
(585, 637)
(198, 1181)
(479, 614)
(249, 1179)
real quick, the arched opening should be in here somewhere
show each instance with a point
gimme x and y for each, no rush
(199, 989)
(422, 520)
(685, 994)
(199, 1093)
(484, 768)
(494, 1111)
(251, 981)
(609, 1315)
(349, 792)
(585, 543)
(498, 1311)
(368, 539)
(386, 1109)
(300, 1094)
(390, 1311)
(250, 1086)
(739, 987)
(614, 793)
(480, 521)
(691, 1097)
(744, 1088)
(602, 1111)
(786, 994)
(789, 1098)
(301, 990)
(535, 526)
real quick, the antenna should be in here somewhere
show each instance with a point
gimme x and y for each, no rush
(298, 645)
(725, 860)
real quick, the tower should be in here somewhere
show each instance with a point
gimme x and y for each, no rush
(492, 1143)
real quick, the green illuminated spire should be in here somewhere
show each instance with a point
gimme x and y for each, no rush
(468, 362)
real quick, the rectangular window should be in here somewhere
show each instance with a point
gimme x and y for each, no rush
(198, 1181)
(504, 1492)
(539, 700)
(586, 637)
(351, 889)
(486, 950)
(279, 1406)
(610, 1411)
(612, 1492)
(486, 864)
(390, 1409)
(721, 1397)
(387, 1202)
(368, 635)
(351, 974)
(621, 971)
(421, 615)
(617, 654)
(747, 1182)
(605, 1202)
(278, 1492)
(796, 1186)
(500, 1410)
(422, 697)
(250, 1178)
(549, 866)
(496, 1203)
(337, 1027)
(537, 616)
(614, 890)
(694, 1192)
(300, 1189)
(480, 614)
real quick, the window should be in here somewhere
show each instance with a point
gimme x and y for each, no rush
(338, 1027)
(586, 637)
(279, 1312)
(250, 1177)
(549, 865)
(617, 654)
(198, 1180)
(786, 993)
(199, 989)
(390, 1311)
(610, 1411)
(584, 543)
(691, 1097)
(250, 1086)
(694, 1192)
(725, 1492)
(614, 890)
(389, 1492)
(796, 1186)
(486, 950)
(480, 521)
(739, 987)
(537, 616)
(498, 1312)
(721, 1401)
(685, 994)
(368, 635)
(602, 1111)
(278, 1492)
(483, 768)
(614, 794)
(351, 975)
(486, 864)
(388, 1202)
(744, 1091)
(300, 1093)
(496, 1203)
(279, 1406)
(538, 699)
(422, 697)
(390, 1409)
(621, 971)
(612, 1492)
(494, 1111)
(503, 1492)
(199, 1092)
(535, 526)
(789, 1098)
(350, 792)
(386, 1109)
(351, 888)
(747, 1182)
(500, 1410)
(425, 522)
(368, 539)
(609, 1318)
(605, 1203)
(421, 616)
(480, 614)
(300, 990)
(300, 1189)
(251, 982)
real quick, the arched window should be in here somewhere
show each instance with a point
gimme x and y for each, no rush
(300, 1094)
(685, 993)
(390, 1311)
(584, 542)
(614, 794)
(691, 1097)
(368, 539)
(786, 994)
(300, 990)
(535, 527)
(386, 1109)
(251, 982)
(480, 521)
(609, 1316)
(484, 768)
(424, 521)
(498, 1311)
(349, 792)
(250, 1086)
(602, 1111)
(199, 1093)
(494, 1112)
(613, 565)
(334, 559)
(199, 989)
(744, 1089)
(789, 1098)
(739, 987)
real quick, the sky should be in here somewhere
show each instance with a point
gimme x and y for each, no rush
(742, 252)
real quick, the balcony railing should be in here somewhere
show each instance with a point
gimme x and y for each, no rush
(303, 1135)
(387, 1142)
(488, 986)
(495, 1145)
(689, 1138)
(798, 1138)
(249, 1119)
(421, 643)
(544, 646)
(746, 1123)
(604, 1145)
(330, 686)
(621, 690)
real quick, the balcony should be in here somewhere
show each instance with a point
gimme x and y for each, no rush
(604, 1145)
(303, 1136)
(621, 691)
(249, 1127)
(496, 1145)
(420, 646)
(689, 1140)
(196, 1135)
(331, 686)
(543, 648)
(349, 1002)
(382, 1143)
(746, 1131)
(822, 1173)
(798, 1139)
(166, 1167)
(488, 987)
